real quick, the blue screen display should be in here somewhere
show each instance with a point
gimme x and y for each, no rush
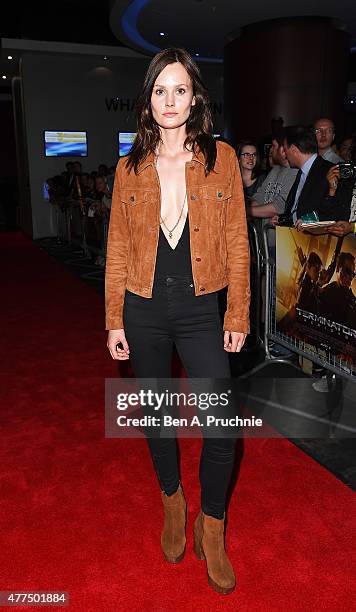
(125, 142)
(65, 144)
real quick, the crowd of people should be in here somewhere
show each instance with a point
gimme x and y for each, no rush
(91, 193)
(305, 175)
(304, 172)
(76, 184)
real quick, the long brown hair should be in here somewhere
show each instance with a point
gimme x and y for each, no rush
(199, 125)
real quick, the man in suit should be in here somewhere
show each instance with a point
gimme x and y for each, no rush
(310, 187)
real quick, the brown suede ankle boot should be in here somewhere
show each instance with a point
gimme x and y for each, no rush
(173, 538)
(209, 545)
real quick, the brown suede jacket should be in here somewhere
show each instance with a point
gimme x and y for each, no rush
(218, 235)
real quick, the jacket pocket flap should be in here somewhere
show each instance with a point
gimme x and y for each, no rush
(133, 196)
(213, 192)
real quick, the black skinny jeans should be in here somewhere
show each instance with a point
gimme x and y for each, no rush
(175, 315)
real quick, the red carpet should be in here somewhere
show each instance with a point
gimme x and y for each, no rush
(71, 519)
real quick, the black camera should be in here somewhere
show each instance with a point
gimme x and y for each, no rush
(347, 170)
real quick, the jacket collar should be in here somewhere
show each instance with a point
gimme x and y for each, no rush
(149, 161)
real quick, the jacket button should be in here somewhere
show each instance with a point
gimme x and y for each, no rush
(196, 229)
(132, 198)
(193, 196)
(202, 288)
(198, 259)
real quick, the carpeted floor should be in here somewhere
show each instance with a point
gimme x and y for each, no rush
(81, 513)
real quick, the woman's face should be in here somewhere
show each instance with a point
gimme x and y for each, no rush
(172, 97)
(248, 157)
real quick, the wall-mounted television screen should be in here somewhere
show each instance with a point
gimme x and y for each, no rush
(125, 142)
(65, 144)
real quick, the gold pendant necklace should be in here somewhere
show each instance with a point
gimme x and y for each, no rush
(170, 231)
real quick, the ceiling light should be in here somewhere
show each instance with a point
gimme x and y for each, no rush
(4, 76)
(105, 57)
(9, 57)
(162, 34)
(197, 54)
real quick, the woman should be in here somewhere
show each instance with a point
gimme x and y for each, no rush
(177, 236)
(249, 160)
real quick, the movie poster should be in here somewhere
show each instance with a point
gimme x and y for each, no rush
(315, 294)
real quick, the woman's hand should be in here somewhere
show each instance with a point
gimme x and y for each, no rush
(116, 336)
(236, 343)
(333, 178)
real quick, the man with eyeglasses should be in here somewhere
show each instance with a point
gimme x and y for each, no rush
(325, 134)
(337, 300)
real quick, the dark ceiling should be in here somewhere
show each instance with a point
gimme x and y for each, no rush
(88, 21)
(80, 21)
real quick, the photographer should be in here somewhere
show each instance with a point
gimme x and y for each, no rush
(341, 199)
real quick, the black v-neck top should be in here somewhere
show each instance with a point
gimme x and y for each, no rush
(171, 262)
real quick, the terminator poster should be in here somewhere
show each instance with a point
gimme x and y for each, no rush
(315, 293)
